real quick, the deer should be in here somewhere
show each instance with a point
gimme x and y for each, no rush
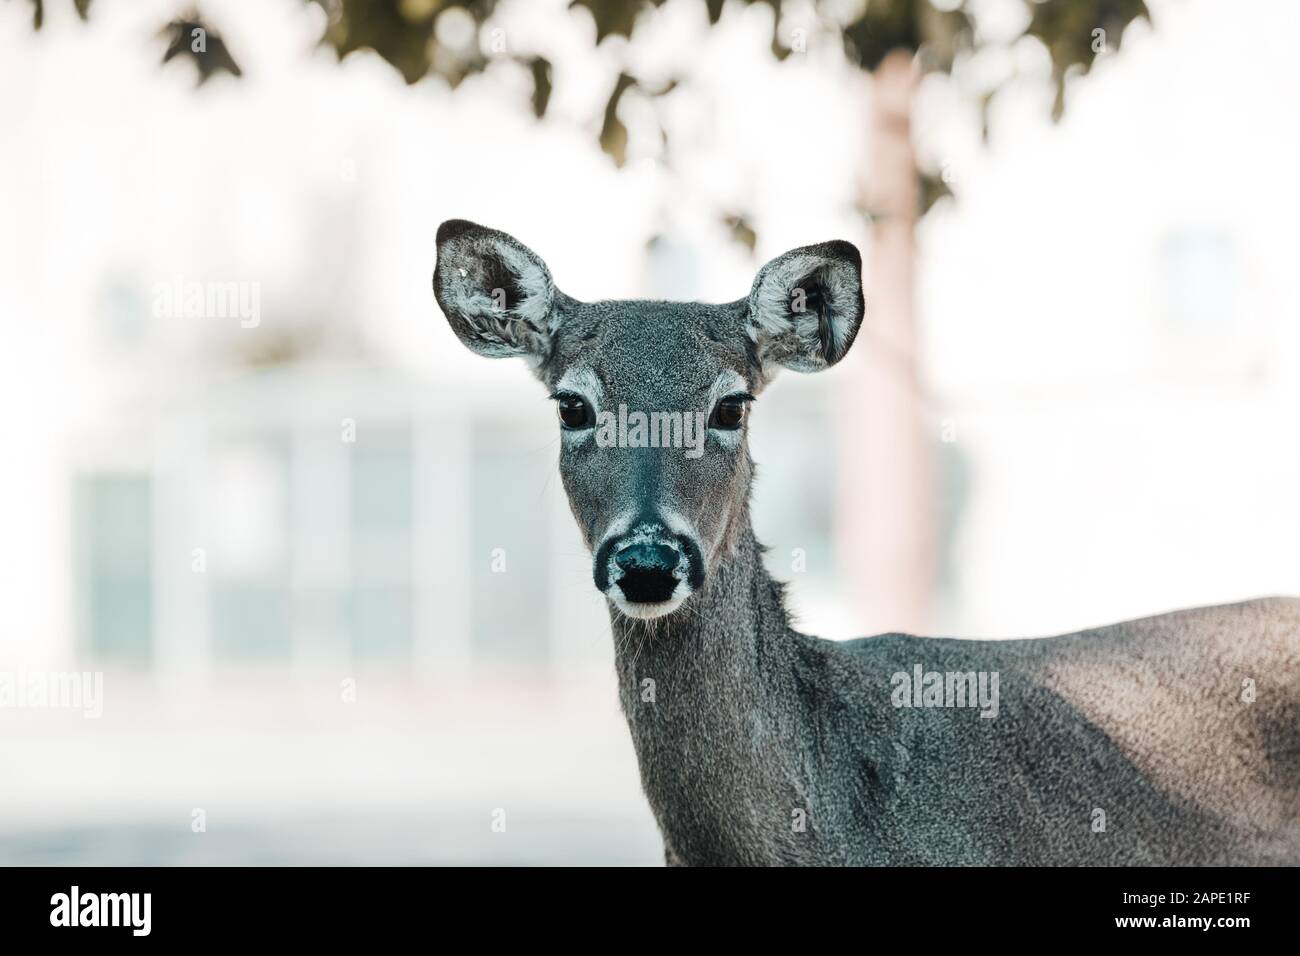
(1170, 740)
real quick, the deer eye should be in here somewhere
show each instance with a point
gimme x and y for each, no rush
(574, 411)
(729, 413)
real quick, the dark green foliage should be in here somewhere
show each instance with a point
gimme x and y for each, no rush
(404, 34)
(884, 26)
(1075, 32)
(613, 17)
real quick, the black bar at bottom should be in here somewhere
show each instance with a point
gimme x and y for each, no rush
(333, 905)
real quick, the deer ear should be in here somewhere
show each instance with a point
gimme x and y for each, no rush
(806, 306)
(497, 293)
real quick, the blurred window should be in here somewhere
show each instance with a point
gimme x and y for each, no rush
(382, 522)
(114, 530)
(511, 546)
(309, 545)
(248, 560)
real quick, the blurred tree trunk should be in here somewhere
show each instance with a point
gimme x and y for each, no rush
(884, 519)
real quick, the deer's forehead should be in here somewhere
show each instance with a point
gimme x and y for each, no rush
(668, 351)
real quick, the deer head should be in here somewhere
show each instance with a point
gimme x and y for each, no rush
(653, 398)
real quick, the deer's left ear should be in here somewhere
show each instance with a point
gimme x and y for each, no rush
(495, 291)
(806, 306)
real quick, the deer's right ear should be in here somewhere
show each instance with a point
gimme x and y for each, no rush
(497, 293)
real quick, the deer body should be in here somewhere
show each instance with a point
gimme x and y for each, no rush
(1170, 740)
(752, 721)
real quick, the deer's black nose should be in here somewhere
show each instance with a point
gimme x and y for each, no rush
(647, 568)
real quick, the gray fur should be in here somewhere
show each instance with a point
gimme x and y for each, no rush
(750, 727)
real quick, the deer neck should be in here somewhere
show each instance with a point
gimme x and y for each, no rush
(715, 671)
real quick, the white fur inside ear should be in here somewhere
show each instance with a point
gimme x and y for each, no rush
(469, 291)
(535, 284)
(795, 333)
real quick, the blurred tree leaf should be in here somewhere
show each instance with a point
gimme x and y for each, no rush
(944, 34)
(191, 38)
(404, 33)
(882, 27)
(659, 91)
(986, 109)
(541, 70)
(408, 35)
(613, 134)
(917, 26)
(358, 25)
(38, 11)
(1075, 32)
(613, 17)
(741, 231)
(933, 188)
